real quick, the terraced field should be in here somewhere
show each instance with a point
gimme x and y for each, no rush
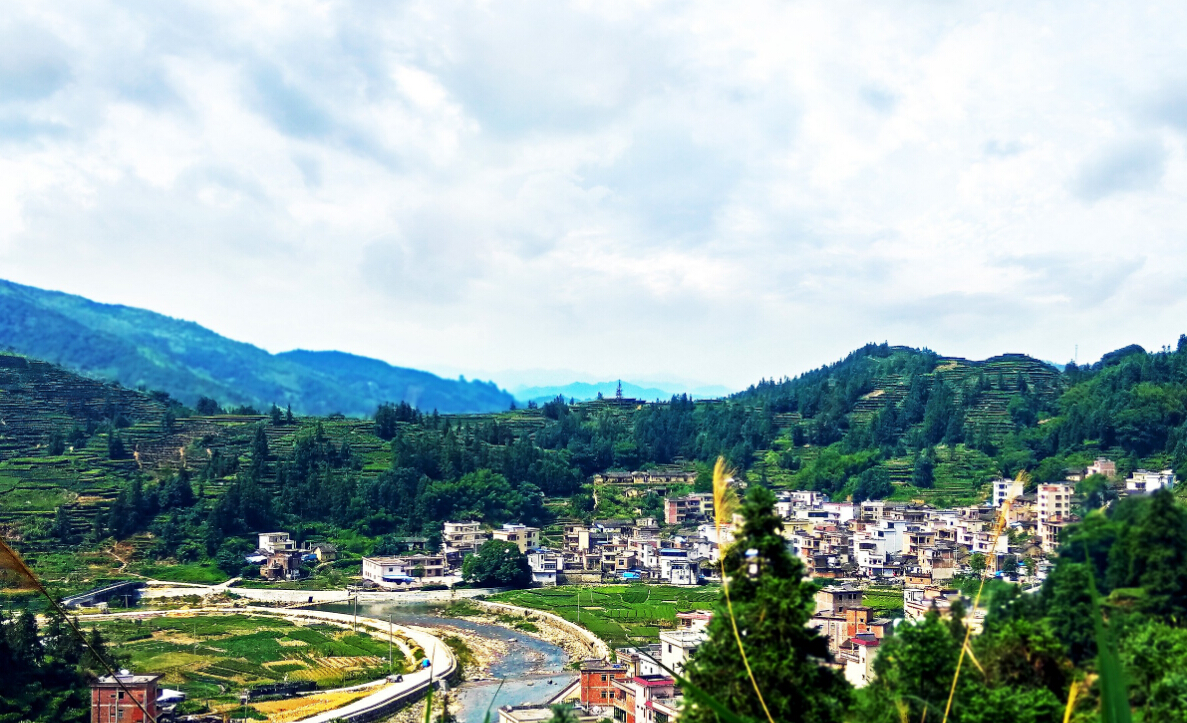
(215, 657)
(621, 615)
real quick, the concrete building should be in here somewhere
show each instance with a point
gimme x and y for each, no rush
(110, 703)
(1104, 466)
(677, 646)
(1006, 489)
(523, 536)
(1144, 481)
(1054, 500)
(858, 656)
(271, 542)
(546, 565)
(462, 538)
(636, 699)
(678, 510)
(597, 684)
(837, 599)
(405, 570)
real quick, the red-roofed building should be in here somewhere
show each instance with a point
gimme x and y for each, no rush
(857, 655)
(645, 699)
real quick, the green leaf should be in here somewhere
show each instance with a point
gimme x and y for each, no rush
(1114, 697)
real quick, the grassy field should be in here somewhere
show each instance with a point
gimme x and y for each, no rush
(619, 614)
(886, 602)
(214, 657)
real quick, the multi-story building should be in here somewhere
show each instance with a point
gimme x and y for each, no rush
(835, 599)
(1054, 500)
(1104, 466)
(1144, 481)
(462, 538)
(111, 703)
(857, 655)
(546, 565)
(389, 571)
(523, 536)
(678, 510)
(597, 683)
(271, 542)
(1007, 489)
(677, 646)
(636, 699)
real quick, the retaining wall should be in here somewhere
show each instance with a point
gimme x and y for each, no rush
(597, 647)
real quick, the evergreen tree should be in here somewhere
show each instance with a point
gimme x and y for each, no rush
(923, 471)
(1158, 560)
(93, 662)
(772, 606)
(24, 641)
(259, 454)
(62, 530)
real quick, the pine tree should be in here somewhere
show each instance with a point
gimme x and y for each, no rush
(25, 644)
(772, 606)
(97, 644)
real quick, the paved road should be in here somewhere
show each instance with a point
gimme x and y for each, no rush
(169, 590)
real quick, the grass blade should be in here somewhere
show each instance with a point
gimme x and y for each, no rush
(1114, 696)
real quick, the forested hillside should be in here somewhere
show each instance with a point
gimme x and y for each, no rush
(140, 348)
(893, 420)
(82, 461)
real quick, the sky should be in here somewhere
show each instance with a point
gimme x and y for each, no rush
(707, 191)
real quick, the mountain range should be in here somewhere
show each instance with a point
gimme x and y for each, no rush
(585, 391)
(140, 348)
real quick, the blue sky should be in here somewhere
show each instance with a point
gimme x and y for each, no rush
(717, 192)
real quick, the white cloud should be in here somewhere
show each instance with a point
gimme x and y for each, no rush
(619, 187)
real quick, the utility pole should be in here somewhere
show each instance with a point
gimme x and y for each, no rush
(390, 636)
(354, 628)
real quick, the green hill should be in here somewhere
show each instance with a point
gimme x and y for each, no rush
(140, 348)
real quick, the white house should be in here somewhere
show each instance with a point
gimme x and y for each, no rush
(273, 542)
(387, 571)
(1144, 481)
(677, 646)
(1006, 489)
(545, 565)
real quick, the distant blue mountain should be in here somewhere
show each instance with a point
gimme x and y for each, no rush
(138, 348)
(585, 391)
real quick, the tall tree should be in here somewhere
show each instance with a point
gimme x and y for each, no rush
(772, 606)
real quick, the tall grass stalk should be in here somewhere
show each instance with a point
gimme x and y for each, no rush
(10, 561)
(968, 629)
(725, 502)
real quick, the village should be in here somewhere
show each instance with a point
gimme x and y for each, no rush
(851, 547)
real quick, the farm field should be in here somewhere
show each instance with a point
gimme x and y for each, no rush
(213, 658)
(886, 601)
(622, 615)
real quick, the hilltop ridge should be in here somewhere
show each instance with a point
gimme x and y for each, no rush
(141, 348)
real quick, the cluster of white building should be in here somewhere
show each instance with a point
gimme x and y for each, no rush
(880, 539)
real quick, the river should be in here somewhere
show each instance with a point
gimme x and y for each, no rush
(532, 671)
